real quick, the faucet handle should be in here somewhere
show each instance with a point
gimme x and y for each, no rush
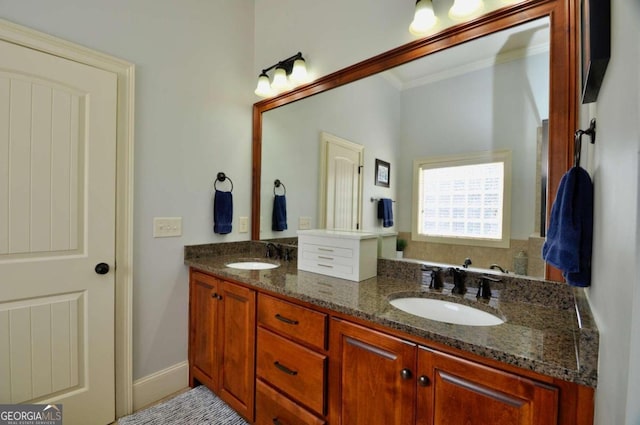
(436, 278)
(484, 286)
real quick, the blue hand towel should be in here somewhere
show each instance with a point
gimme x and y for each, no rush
(222, 212)
(385, 211)
(570, 234)
(279, 217)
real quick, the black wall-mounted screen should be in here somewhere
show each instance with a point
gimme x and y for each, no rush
(596, 45)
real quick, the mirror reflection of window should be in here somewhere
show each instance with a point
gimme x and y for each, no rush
(463, 199)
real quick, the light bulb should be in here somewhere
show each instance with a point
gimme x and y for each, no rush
(463, 9)
(264, 87)
(424, 18)
(279, 79)
(299, 71)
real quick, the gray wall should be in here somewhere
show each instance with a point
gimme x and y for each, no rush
(194, 82)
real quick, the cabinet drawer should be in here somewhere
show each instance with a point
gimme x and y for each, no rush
(294, 321)
(327, 258)
(327, 250)
(274, 408)
(323, 267)
(295, 370)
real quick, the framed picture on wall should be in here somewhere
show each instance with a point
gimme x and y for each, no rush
(383, 170)
(595, 18)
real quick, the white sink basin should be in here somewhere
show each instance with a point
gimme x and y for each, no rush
(446, 311)
(252, 265)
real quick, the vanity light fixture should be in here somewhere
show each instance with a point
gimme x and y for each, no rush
(288, 73)
(463, 9)
(424, 18)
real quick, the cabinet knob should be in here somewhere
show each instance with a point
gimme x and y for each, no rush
(424, 381)
(406, 374)
(276, 421)
(216, 296)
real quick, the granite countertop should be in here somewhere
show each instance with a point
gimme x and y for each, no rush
(548, 326)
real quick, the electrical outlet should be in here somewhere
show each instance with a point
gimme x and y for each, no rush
(304, 223)
(166, 227)
(243, 225)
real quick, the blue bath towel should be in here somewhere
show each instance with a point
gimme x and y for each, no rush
(222, 212)
(385, 211)
(279, 217)
(570, 234)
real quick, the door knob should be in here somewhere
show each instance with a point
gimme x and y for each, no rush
(102, 268)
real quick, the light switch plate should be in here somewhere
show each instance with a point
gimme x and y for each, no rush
(304, 223)
(166, 227)
(243, 225)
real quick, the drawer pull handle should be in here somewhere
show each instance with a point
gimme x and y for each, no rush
(326, 265)
(286, 320)
(276, 421)
(325, 249)
(285, 369)
(325, 258)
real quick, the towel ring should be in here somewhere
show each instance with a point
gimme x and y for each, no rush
(221, 177)
(277, 183)
(577, 147)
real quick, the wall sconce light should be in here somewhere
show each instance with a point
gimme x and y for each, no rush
(424, 19)
(463, 9)
(288, 73)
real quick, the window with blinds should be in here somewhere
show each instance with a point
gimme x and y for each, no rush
(463, 199)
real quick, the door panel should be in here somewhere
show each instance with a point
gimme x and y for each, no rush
(372, 388)
(343, 183)
(57, 215)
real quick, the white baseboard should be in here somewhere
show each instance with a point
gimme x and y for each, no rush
(159, 385)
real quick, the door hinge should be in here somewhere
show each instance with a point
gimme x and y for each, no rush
(360, 169)
(357, 226)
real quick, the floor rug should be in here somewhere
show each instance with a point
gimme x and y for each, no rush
(198, 406)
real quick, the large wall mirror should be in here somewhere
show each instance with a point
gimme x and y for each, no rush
(499, 82)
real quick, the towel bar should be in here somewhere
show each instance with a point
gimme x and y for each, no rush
(377, 199)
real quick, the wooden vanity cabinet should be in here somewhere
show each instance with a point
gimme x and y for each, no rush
(222, 318)
(381, 379)
(291, 364)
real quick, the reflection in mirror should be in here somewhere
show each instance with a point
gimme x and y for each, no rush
(485, 95)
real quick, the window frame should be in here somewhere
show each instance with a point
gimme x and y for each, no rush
(474, 158)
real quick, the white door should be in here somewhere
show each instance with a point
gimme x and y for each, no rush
(57, 222)
(343, 183)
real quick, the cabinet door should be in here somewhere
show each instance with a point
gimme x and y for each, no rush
(455, 391)
(372, 377)
(203, 310)
(237, 348)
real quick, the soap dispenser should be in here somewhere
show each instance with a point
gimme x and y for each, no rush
(520, 262)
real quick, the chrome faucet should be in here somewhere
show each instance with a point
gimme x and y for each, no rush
(467, 263)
